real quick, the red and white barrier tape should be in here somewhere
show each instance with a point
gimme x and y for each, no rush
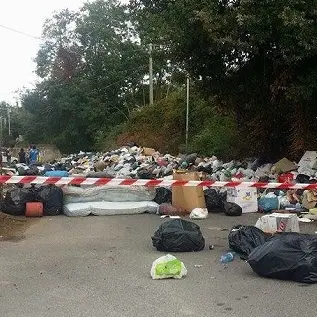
(144, 182)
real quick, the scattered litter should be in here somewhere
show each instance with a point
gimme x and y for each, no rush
(211, 247)
(171, 217)
(168, 266)
(198, 265)
(168, 209)
(226, 258)
(199, 213)
(277, 222)
(306, 220)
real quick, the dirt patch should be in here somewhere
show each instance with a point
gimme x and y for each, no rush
(13, 228)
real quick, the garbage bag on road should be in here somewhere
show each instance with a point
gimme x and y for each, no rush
(168, 266)
(214, 202)
(178, 235)
(243, 239)
(16, 199)
(287, 256)
(52, 198)
(199, 213)
(268, 202)
(232, 209)
(170, 210)
(163, 195)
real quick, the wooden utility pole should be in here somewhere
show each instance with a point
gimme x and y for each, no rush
(151, 75)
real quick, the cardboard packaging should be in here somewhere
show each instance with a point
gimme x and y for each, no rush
(246, 198)
(277, 222)
(187, 198)
(284, 166)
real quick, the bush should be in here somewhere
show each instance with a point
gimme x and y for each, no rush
(216, 137)
(162, 126)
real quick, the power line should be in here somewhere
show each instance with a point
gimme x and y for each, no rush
(19, 32)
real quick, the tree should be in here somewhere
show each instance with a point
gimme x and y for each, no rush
(257, 58)
(92, 69)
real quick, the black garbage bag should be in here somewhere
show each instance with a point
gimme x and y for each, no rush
(32, 171)
(60, 167)
(232, 209)
(287, 256)
(191, 158)
(52, 198)
(223, 196)
(178, 235)
(243, 239)
(21, 171)
(16, 199)
(303, 179)
(100, 175)
(214, 202)
(145, 174)
(205, 169)
(163, 195)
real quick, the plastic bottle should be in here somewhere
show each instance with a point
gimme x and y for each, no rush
(228, 257)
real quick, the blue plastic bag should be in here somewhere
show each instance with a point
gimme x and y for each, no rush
(267, 204)
(56, 174)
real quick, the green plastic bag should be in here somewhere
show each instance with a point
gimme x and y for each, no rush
(168, 266)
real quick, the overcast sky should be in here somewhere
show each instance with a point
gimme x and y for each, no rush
(17, 51)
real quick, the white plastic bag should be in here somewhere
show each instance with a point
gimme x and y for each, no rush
(153, 207)
(168, 266)
(199, 213)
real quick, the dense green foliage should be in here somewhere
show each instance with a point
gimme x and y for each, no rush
(252, 66)
(257, 57)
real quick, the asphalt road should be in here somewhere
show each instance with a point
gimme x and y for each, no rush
(99, 266)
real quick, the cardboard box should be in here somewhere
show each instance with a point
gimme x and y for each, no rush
(277, 222)
(284, 166)
(187, 198)
(246, 198)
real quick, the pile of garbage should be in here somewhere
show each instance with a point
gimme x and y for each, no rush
(146, 163)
